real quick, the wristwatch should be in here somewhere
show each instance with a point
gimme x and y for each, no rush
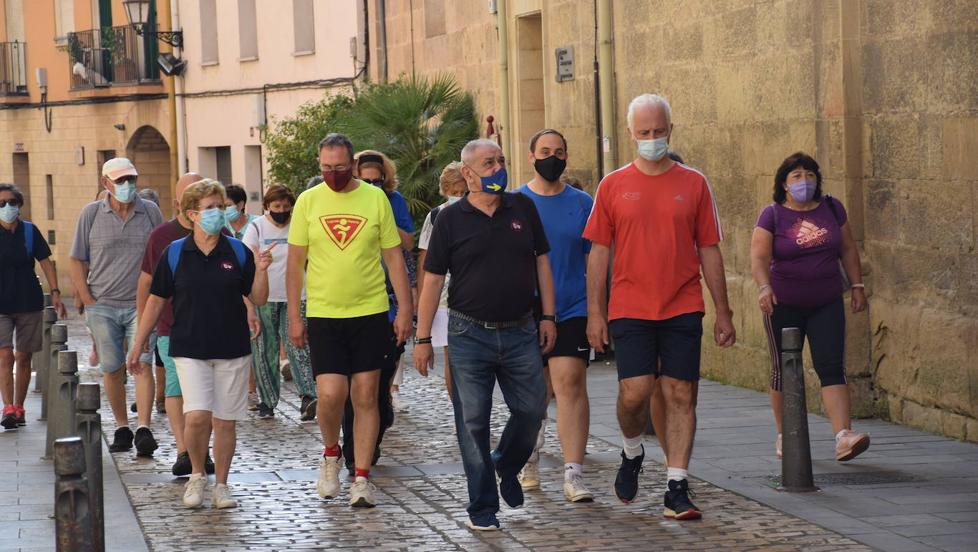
(548, 318)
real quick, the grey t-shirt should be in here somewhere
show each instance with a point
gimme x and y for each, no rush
(113, 248)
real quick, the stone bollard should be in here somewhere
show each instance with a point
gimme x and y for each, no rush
(61, 389)
(73, 518)
(89, 428)
(42, 360)
(37, 361)
(796, 460)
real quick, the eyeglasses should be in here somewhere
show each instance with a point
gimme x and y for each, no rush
(329, 168)
(11, 202)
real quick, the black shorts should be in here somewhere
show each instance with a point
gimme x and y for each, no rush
(571, 340)
(159, 359)
(668, 347)
(348, 346)
(825, 328)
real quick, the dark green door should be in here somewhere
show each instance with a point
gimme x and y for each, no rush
(151, 47)
(106, 37)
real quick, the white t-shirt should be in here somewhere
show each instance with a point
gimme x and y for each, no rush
(260, 235)
(423, 239)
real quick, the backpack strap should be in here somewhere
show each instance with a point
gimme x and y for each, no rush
(239, 251)
(29, 237)
(173, 254)
(830, 201)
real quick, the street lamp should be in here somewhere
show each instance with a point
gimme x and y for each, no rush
(138, 12)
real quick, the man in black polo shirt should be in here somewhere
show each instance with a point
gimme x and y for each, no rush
(495, 247)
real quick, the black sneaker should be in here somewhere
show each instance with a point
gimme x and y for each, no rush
(376, 456)
(626, 482)
(265, 411)
(182, 467)
(486, 522)
(308, 410)
(21, 417)
(122, 440)
(678, 505)
(145, 443)
(9, 420)
(208, 465)
(160, 407)
(133, 407)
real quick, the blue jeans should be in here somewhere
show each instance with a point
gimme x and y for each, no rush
(478, 357)
(113, 329)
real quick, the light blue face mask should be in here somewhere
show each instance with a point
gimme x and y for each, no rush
(653, 150)
(9, 213)
(211, 221)
(232, 213)
(125, 191)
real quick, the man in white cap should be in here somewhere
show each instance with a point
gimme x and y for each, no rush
(109, 243)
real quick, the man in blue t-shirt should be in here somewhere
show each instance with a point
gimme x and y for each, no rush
(564, 211)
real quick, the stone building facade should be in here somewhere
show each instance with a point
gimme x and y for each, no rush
(882, 92)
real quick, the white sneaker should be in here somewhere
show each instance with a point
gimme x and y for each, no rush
(396, 401)
(362, 493)
(221, 497)
(777, 447)
(575, 491)
(328, 484)
(530, 474)
(193, 495)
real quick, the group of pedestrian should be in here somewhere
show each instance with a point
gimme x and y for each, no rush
(514, 284)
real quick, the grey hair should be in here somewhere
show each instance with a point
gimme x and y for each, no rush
(12, 188)
(469, 150)
(149, 194)
(336, 140)
(648, 100)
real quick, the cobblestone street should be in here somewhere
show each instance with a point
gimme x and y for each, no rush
(423, 497)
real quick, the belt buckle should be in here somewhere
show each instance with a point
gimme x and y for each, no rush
(491, 325)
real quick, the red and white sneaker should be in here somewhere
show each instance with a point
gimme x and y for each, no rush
(9, 417)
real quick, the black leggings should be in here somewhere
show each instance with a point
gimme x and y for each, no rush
(825, 327)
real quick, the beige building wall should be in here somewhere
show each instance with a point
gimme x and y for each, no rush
(260, 79)
(882, 93)
(58, 170)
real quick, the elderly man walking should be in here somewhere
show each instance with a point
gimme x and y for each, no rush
(110, 239)
(661, 219)
(494, 245)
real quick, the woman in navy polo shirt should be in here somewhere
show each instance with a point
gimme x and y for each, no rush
(207, 274)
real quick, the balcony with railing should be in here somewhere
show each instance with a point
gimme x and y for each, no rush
(111, 56)
(13, 69)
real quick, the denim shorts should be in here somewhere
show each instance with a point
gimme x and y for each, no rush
(113, 328)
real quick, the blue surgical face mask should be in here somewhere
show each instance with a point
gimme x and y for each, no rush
(9, 213)
(125, 190)
(495, 183)
(653, 150)
(232, 213)
(802, 191)
(211, 220)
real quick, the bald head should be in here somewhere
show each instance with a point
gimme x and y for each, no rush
(182, 184)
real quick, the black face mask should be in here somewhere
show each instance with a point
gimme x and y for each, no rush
(550, 168)
(281, 218)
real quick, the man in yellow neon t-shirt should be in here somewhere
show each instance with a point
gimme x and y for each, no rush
(343, 227)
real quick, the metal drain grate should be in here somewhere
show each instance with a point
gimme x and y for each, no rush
(861, 478)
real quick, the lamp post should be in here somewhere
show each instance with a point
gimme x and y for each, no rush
(138, 12)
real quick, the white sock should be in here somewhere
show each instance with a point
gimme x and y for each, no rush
(675, 474)
(840, 434)
(571, 469)
(633, 446)
(360, 477)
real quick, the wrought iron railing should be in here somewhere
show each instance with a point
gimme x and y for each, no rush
(13, 68)
(110, 56)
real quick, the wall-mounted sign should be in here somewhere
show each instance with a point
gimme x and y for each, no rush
(19, 147)
(565, 64)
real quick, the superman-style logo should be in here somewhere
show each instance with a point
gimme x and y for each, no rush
(342, 229)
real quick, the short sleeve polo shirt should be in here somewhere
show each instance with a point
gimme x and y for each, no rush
(209, 316)
(492, 259)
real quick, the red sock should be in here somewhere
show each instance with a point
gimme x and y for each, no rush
(361, 473)
(333, 451)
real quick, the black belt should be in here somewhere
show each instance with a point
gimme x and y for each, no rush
(493, 325)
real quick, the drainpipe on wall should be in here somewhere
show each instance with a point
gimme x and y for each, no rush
(382, 41)
(166, 14)
(503, 32)
(606, 74)
(178, 105)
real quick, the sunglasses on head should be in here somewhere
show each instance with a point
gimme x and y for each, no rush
(5, 202)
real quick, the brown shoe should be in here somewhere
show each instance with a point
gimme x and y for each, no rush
(850, 445)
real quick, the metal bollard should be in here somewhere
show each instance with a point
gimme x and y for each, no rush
(89, 428)
(42, 360)
(796, 461)
(73, 517)
(61, 389)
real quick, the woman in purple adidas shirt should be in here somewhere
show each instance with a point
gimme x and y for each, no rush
(802, 251)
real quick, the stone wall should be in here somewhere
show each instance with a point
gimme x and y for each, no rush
(883, 93)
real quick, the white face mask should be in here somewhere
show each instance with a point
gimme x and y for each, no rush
(453, 199)
(653, 150)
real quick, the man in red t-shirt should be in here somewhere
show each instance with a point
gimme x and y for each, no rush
(162, 236)
(661, 218)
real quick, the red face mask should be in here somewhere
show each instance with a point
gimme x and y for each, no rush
(337, 180)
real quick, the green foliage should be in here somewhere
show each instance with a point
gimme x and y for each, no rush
(420, 124)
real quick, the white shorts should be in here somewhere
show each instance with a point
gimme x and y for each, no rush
(439, 328)
(217, 386)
